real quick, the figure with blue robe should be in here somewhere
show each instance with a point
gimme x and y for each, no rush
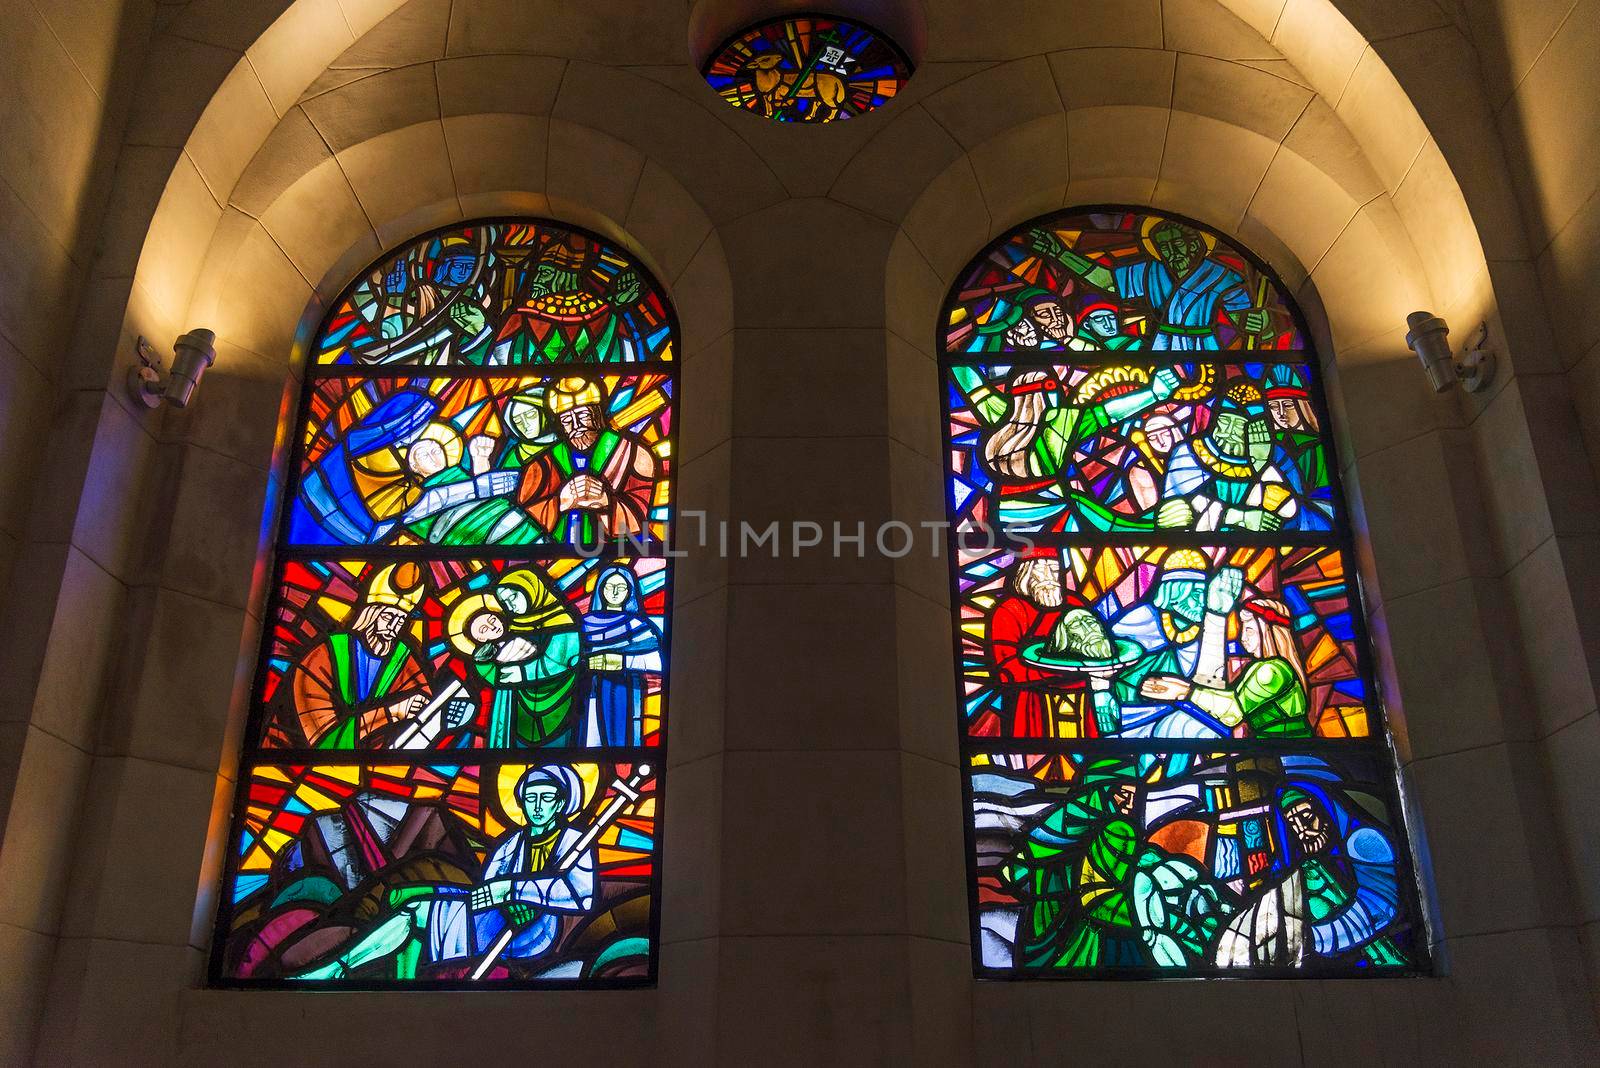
(624, 647)
(1182, 629)
(361, 482)
(1183, 285)
(1335, 891)
(536, 874)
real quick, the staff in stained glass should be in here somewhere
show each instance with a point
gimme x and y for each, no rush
(1175, 758)
(1229, 862)
(359, 685)
(438, 609)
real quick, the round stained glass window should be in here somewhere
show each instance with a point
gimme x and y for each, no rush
(808, 68)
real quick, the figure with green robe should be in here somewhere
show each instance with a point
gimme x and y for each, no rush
(1096, 893)
(1033, 434)
(352, 688)
(558, 318)
(1227, 479)
(596, 481)
(528, 653)
(1298, 446)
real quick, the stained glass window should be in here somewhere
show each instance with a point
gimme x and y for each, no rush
(1174, 755)
(808, 68)
(453, 762)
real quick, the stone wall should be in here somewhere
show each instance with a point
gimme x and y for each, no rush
(814, 896)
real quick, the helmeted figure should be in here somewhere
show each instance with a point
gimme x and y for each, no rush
(1100, 324)
(596, 482)
(622, 647)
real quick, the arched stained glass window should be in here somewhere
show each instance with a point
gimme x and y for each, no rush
(1175, 758)
(452, 768)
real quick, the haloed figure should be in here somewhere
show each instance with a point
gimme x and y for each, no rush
(624, 646)
(596, 480)
(537, 873)
(533, 671)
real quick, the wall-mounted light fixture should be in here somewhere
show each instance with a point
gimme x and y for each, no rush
(1429, 338)
(192, 354)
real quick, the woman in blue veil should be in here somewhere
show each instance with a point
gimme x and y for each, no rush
(623, 647)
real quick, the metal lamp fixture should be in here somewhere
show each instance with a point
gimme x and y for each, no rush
(1429, 338)
(192, 354)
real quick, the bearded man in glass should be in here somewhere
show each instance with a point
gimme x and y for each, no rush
(1182, 284)
(597, 480)
(1336, 894)
(1031, 699)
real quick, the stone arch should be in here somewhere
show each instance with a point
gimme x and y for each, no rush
(256, 237)
(193, 140)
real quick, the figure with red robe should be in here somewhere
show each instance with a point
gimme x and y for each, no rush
(1027, 613)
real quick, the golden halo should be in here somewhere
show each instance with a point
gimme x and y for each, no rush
(506, 784)
(1152, 221)
(1100, 381)
(1205, 374)
(446, 437)
(463, 612)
